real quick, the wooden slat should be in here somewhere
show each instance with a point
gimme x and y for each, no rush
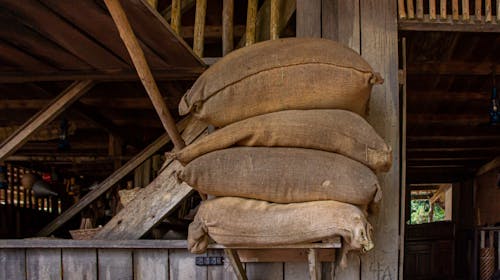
(144, 71)
(401, 9)
(495, 163)
(199, 27)
(21, 60)
(498, 11)
(308, 18)
(227, 26)
(114, 264)
(314, 264)
(296, 271)
(151, 264)
(251, 22)
(108, 182)
(465, 10)
(175, 21)
(182, 266)
(12, 264)
(43, 264)
(283, 255)
(379, 46)
(411, 9)
(442, 6)
(449, 25)
(59, 104)
(487, 10)
(154, 202)
(341, 22)
(478, 10)
(275, 19)
(452, 68)
(264, 271)
(220, 272)
(79, 264)
(420, 9)
(454, 10)
(432, 9)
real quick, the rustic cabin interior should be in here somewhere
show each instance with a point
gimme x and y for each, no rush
(90, 127)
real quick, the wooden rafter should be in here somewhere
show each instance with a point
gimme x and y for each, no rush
(51, 111)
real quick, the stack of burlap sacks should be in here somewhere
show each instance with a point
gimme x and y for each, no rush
(293, 160)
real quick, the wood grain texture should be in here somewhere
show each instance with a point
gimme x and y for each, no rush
(175, 21)
(182, 266)
(199, 27)
(151, 264)
(340, 22)
(251, 22)
(296, 271)
(264, 271)
(115, 264)
(275, 19)
(43, 264)
(308, 18)
(79, 264)
(227, 26)
(220, 272)
(12, 264)
(379, 47)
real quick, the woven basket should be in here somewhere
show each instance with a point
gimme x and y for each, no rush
(84, 234)
(486, 263)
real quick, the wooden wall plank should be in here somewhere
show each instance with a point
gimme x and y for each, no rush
(220, 272)
(264, 271)
(115, 264)
(43, 264)
(20, 60)
(296, 271)
(79, 264)
(12, 264)
(379, 34)
(340, 22)
(151, 264)
(183, 266)
(308, 18)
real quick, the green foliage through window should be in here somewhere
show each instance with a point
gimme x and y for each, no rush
(420, 209)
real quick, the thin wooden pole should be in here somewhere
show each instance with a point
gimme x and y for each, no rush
(47, 114)
(478, 11)
(420, 9)
(275, 19)
(487, 10)
(411, 9)
(199, 27)
(401, 9)
(454, 9)
(227, 26)
(498, 14)
(314, 264)
(175, 21)
(143, 70)
(465, 10)
(442, 9)
(251, 22)
(432, 9)
(235, 261)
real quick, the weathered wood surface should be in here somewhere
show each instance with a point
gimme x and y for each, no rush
(227, 26)
(115, 264)
(154, 202)
(264, 271)
(79, 264)
(47, 114)
(340, 22)
(220, 271)
(379, 47)
(43, 264)
(251, 22)
(151, 264)
(12, 264)
(314, 264)
(308, 18)
(182, 266)
(109, 182)
(199, 27)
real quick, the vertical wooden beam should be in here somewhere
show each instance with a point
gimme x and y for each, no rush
(275, 19)
(308, 18)
(454, 10)
(109, 182)
(143, 70)
(47, 114)
(401, 9)
(442, 7)
(420, 9)
(251, 22)
(379, 46)
(404, 201)
(233, 257)
(432, 9)
(478, 8)
(498, 11)
(411, 9)
(314, 264)
(487, 10)
(199, 27)
(227, 26)
(465, 10)
(340, 22)
(175, 21)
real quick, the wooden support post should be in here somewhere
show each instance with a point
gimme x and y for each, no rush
(443, 9)
(143, 70)
(401, 9)
(308, 18)
(420, 9)
(233, 257)
(47, 114)
(175, 21)
(227, 26)
(275, 19)
(454, 10)
(465, 10)
(432, 9)
(251, 22)
(314, 264)
(199, 27)
(411, 9)
(109, 182)
(478, 10)
(487, 10)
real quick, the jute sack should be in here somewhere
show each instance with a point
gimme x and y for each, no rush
(292, 73)
(282, 175)
(234, 221)
(337, 131)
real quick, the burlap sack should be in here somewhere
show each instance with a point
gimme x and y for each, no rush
(337, 131)
(234, 221)
(282, 175)
(292, 73)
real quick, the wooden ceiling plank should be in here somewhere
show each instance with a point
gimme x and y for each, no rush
(109, 182)
(22, 60)
(46, 22)
(66, 98)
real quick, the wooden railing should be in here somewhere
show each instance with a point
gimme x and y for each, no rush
(484, 11)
